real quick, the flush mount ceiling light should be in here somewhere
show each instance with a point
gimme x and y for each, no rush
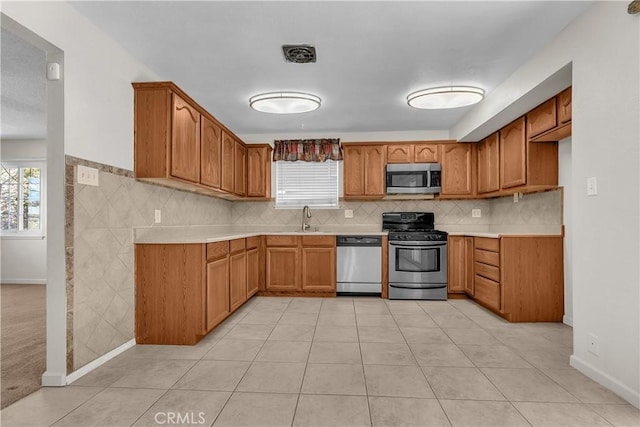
(284, 102)
(445, 97)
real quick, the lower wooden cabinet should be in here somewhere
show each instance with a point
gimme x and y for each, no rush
(297, 264)
(237, 274)
(460, 264)
(217, 291)
(253, 272)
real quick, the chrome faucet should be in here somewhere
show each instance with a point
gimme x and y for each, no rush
(306, 214)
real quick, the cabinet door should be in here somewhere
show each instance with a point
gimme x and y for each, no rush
(319, 269)
(469, 287)
(228, 155)
(513, 155)
(253, 271)
(541, 118)
(564, 106)
(374, 161)
(457, 169)
(456, 258)
(353, 171)
(237, 279)
(400, 153)
(185, 141)
(426, 153)
(211, 151)
(217, 291)
(283, 271)
(489, 164)
(258, 172)
(240, 168)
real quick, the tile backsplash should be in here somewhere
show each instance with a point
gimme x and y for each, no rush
(101, 252)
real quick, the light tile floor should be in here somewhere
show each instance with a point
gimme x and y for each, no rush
(341, 362)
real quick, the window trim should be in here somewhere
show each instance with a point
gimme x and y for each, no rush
(30, 234)
(275, 174)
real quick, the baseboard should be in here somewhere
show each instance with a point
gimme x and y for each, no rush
(24, 282)
(567, 320)
(76, 375)
(622, 390)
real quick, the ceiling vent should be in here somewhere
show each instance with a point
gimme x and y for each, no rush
(299, 53)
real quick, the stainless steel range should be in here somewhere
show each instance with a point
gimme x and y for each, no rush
(417, 256)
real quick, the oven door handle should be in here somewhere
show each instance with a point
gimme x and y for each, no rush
(415, 244)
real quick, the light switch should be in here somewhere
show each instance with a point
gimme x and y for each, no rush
(592, 186)
(88, 176)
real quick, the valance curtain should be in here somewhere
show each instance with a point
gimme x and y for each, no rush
(307, 150)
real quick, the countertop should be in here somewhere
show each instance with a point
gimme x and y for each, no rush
(217, 233)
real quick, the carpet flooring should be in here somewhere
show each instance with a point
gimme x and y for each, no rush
(22, 340)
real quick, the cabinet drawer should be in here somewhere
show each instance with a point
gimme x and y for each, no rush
(542, 118)
(324, 241)
(487, 244)
(488, 271)
(253, 242)
(486, 257)
(217, 250)
(488, 292)
(282, 241)
(236, 245)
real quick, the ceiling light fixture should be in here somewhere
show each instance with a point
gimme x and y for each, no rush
(438, 98)
(284, 102)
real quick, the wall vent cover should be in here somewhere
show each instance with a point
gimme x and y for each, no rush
(299, 53)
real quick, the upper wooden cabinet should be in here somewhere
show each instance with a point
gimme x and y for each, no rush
(513, 154)
(458, 169)
(364, 170)
(551, 121)
(412, 153)
(179, 144)
(240, 169)
(211, 152)
(259, 170)
(489, 164)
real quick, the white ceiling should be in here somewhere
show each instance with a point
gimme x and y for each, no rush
(371, 54)
(23, 87)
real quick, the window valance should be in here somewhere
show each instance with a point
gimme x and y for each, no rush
(307, 150)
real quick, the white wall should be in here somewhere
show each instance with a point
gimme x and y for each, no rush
(565, 181)
(604, 46)
(24, 260)
(98, 75)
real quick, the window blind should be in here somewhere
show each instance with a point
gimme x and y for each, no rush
(306, 183)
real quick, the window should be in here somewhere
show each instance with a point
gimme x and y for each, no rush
(21, 199)
(306, 183)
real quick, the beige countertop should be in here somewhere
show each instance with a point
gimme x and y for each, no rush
(217, 233)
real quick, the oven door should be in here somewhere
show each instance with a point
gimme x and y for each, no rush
(423, 263)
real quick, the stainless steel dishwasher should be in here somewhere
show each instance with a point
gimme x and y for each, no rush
(359, 265)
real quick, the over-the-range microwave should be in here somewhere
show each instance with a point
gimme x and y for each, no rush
(413, 178)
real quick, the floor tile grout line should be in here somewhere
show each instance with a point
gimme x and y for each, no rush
(364, 375)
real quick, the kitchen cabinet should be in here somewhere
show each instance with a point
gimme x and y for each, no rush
(217, 291)
(227, 180)
(210, 153)
(457, 161)
(259, 170)
(237, 273)
(460, 264)
(240, 169)
(412, 153)
(253, 266)
(318, 263)
(170, 293)
(487, 272)
(364, 171)
(561, 119)
(301, 264)
(185, 140)
(513, 155)
(489, 164)
(282, 263)
(542, 118)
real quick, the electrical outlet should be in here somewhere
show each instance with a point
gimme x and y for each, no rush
(592, 186)
(348, 213)
(476, 213)
(593, 344)
(158, 216)
(88, 176)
